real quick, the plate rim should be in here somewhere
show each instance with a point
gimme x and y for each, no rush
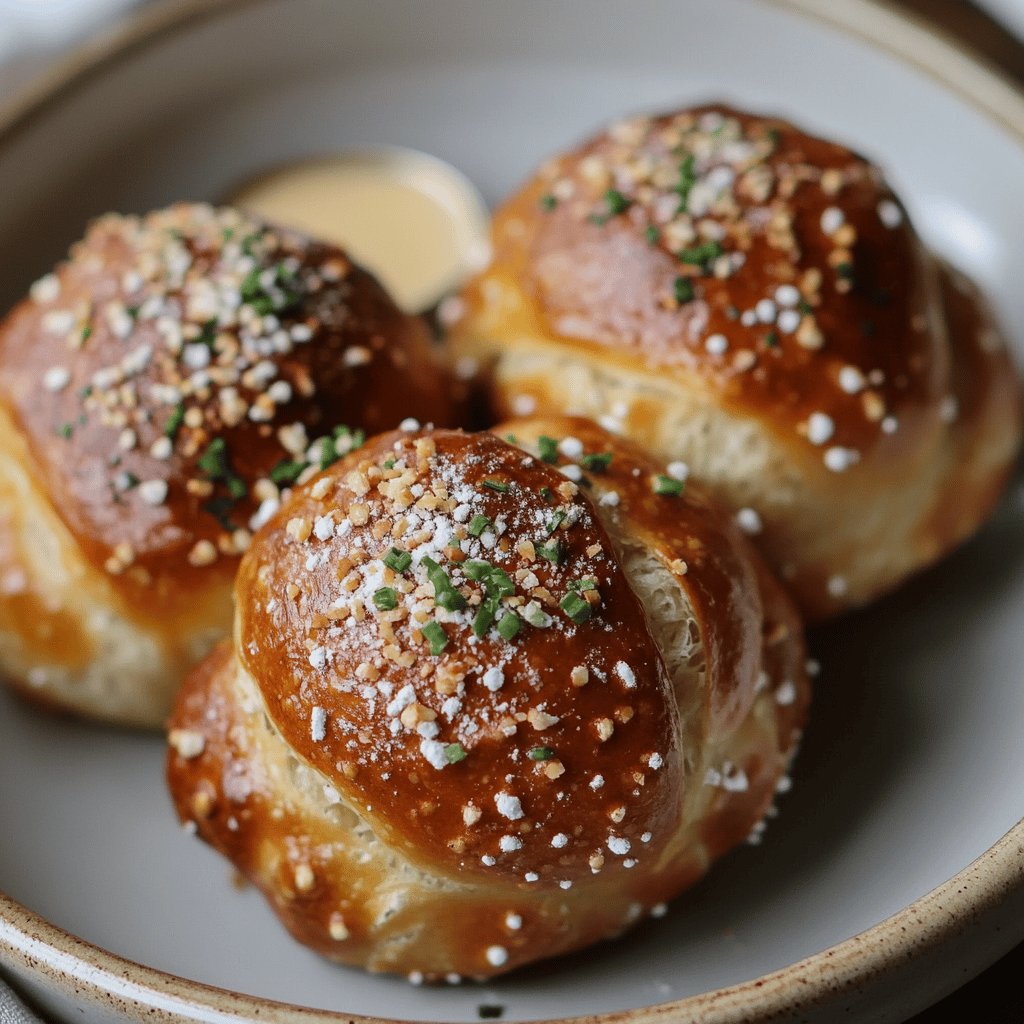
(43, 952)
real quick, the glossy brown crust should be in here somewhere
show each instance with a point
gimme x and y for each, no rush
(606, 287)
(417, 805)
(97, 365)
(645, 777)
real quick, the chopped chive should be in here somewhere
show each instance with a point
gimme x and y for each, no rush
(575, 607)
(214, 461)
(398, 559)
(509, 625)
(540, 753)
(287, 471)
(616, 202)
(701, 254)
(555, 521)
(496, 485)
(682, 289)
(445, 594)
(548, 202)
(844, 271)
(174, 421)
(668, 485)
(433, 632)
(476, 569)
(385, 598)
(548, 448)
(588, 583)
(86, 332)
(454, 753)
(551, 550)
(450, 600)
(805, 307)
(597, 462)
(499, 583)
(652, 234)
(771, 339)
(687, 179)
(484, 617)
(389, 463)
(65, 430)
(477, 525)
(547, 494)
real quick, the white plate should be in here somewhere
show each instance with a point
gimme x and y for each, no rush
(913, 766)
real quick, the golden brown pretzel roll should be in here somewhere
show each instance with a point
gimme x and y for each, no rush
(732, 292)
(156, 393)
(480, 710)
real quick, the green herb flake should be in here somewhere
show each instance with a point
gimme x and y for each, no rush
(454, 753)
(668, 485)
(682, 290)
(547, 494)
(496, 485)
(575, 607)
(551, 550)
(652, 234)
(596, 462)
(478, 525)
(65, 430)
(588, 583)
(476, 569)
(548, 202)
(509, 625)
(540, 754)
(484, 617)
(555, 521)
(398, 560)
(433, 632)
(174, 421)
(687, 179)
(548, 449)
(771, 339)
(701, 255)
(287, 471)
(389, 463)
(844, 271)
(616, 202)
(385, 598)
(86, 333)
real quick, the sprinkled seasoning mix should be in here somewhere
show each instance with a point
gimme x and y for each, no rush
(452, 608)
(195, 363)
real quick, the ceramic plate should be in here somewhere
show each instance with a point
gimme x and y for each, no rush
(913, 766)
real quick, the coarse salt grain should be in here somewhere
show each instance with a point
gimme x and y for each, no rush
(749, 521)
(318, 724)
(508, 806)
(820, 428)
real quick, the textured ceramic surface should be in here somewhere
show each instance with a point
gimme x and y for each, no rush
(912, 768)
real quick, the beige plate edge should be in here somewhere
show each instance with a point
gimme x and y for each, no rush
(34, 948)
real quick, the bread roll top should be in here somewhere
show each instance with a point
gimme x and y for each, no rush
(449, 629)
(769, 268)
(182, 367)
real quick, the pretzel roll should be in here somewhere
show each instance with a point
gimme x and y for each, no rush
(488, 701)
(732, 292)
(157, 391)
